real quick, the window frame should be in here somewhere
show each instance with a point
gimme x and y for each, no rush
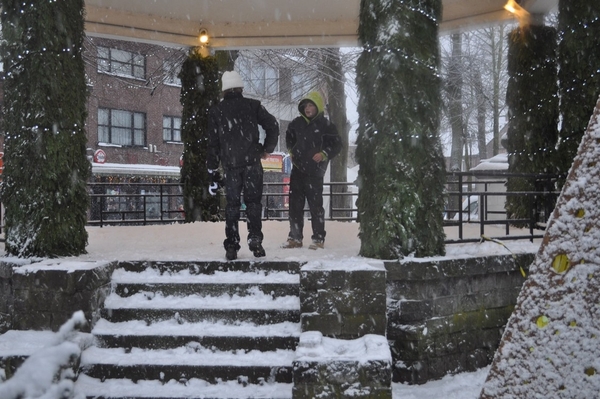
(261, 79)
(171, 129)
(171, 70)
(133, 65)
(111, 130)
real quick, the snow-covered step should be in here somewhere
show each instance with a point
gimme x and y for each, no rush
(195, 330)
(156, 293)
(275, 283)
(218, 335)
(204, 267)
(154, 306)
(189, 388)
(190, 361)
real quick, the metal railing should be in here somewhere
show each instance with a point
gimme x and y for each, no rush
(488, 190)
(135, 203)
(162, 203)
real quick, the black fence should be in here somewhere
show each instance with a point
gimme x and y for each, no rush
(135, 203)
(472, 198)
(478, 198)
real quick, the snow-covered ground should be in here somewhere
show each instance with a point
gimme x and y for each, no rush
(50, 352)
(204, 241)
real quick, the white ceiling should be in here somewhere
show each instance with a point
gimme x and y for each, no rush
(234, 24)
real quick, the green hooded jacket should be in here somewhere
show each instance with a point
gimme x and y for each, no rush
(305, 137)
(316, 99)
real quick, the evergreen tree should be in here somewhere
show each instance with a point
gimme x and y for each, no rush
(46, 169)
(402, 174)
(579, 74)
(532, 99)
(199, 91)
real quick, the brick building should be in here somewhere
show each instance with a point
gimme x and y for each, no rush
(134, 112)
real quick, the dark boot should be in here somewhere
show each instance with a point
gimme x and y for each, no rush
(231, 252)
(257, 249)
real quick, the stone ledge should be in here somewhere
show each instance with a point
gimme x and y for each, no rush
(46, 293)
(333, 368)
(432, 269)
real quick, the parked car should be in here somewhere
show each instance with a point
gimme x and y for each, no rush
(470, 209)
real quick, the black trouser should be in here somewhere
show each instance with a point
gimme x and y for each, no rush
(304, 187)
(248, 179)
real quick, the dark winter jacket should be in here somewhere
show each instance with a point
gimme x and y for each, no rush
(305, 137)
(233, 136)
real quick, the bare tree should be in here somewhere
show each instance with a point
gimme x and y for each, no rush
(333, 72)
(454, 88)
(284, 76)
(494, 47)
(480, 64)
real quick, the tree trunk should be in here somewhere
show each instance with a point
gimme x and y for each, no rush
(46, 168)
(402, 174)
(481, 118)
(337, 114)
(497, 52)
(454, 87)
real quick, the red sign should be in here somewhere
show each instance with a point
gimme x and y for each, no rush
(99, 156)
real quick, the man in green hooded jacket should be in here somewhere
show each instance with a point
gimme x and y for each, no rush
(312, 140)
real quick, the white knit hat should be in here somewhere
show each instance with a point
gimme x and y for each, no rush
(230, 80)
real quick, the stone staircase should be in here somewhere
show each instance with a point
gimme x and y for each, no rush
(195, 330)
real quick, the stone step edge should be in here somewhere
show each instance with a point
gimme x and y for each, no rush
(159, 302)
(231, 277)
(194, 315)
(124, 388)
(204, 329)
(181, 356)
(211, 266)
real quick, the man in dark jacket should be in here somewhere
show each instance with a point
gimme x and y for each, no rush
(233, 140)
(312, 140)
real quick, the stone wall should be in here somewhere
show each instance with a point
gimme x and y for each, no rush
(344, 300)
(343, 303)
(447, 316)
(6, 297)
(43, 296)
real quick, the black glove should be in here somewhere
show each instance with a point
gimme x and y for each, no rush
(215, 181)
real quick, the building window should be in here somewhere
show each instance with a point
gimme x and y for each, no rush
(300, 86)
(261, 79)
(172, 70)
(172, 128)
(121, 127)
(121, 62)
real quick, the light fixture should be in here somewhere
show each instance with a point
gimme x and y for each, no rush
(203, 37)
(519, 12)
(512, 6)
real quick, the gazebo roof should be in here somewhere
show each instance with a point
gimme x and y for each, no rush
(234, 24)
